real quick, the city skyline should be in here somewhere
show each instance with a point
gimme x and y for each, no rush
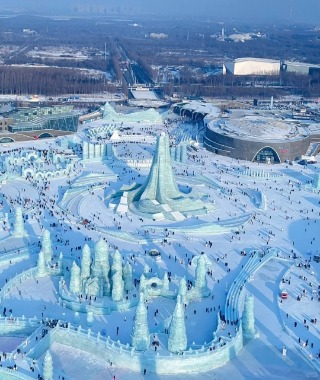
(247, 10)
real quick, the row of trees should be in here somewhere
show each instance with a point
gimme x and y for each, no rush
(49, 81)
(246, 86)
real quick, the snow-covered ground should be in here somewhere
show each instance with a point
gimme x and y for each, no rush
(289, 221)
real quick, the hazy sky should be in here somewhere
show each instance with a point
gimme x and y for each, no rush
(262, 10)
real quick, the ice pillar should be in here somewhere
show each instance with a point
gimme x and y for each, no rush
(140, 331)
(19, 230)
(183, 290)
(248, 317)
(101, 266)
(46, 245)
(41, 265)
(201, 280)
(85, 262)
(177, 340)
(47, 367)
(75, 282)
(127, 277)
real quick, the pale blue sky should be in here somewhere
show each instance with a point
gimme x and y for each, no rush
(260, 10)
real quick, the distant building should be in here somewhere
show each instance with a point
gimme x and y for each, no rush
(60, 118)
(300, 68)
(4, 123)
(252, 66)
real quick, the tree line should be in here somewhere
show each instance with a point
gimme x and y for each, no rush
(50, 81)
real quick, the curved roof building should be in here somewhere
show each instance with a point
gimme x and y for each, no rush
(263, 137)
(253, 135)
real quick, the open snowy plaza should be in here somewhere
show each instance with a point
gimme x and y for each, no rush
(128, 251)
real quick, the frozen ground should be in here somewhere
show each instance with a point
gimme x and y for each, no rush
(290, 222)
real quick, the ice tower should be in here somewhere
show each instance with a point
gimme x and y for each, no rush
(177, 340)
(41, 265)
(101, 266)
(159, 196)
(127, 277)
(47, 367)
(140, 331)
(201, 280)
(248, 318)
(19, 230)
(75, 281)
(316, 182)
(117, 287)
(183, 290)
(46, 245)
(85, 262)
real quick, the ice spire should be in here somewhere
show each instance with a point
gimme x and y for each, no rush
(183, 290)
(41, 265)
(165, 283)
(117, 287)
(201, 280)
(117, 262)
(46, 245)
(160, 184)
(140, 331)
(127, 277)
(316, 182)
(101, 265)
(177, 340)
(142, 284)
(248, 317)
(75, 282)
(47, 367)
(19, 230)
(85, 262)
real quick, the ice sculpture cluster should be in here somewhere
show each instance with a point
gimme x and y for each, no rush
(35, 163)
(97, 278)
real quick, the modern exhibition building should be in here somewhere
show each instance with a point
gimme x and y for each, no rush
(252, 66)
(253, 135)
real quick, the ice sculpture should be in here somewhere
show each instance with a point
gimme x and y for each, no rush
(248, 318)
(140, 331)
(90, 318)
(19, 230)
(165, 283)
(117, 287)
(117, 263)
(75, 280)
(127, 277)
(183, 290)
(41, 265)
(177, 340)
(92, 287)
(101, 266)
(159, 195)
(85, 262)
(47, 367)
(46, 245)
(142, 284)
(201, 280)
(60, 262)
